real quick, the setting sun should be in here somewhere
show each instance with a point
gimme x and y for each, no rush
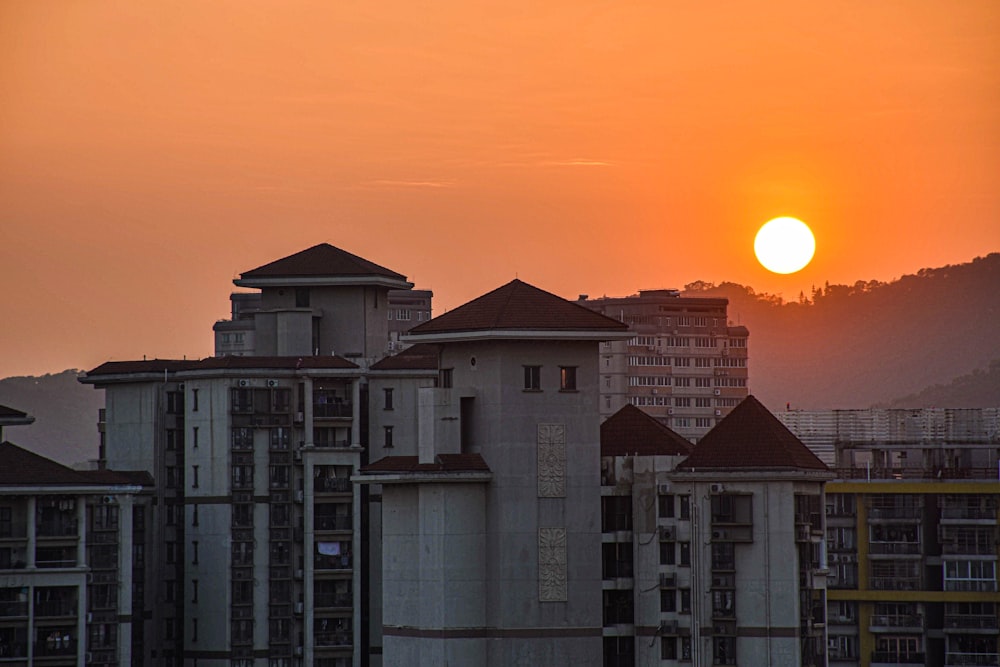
(784, 245)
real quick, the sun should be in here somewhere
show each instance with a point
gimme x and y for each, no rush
(784, 245)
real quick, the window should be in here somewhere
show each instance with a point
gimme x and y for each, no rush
(242, 438)
(194, 591)
(685, 600)
(388, 436)
(685, 507)
(668, 648)
(567, 378)
(194, 629)
(388, 398)
(301, 297)
(194, 477)
(445, 378)
(194, 558)
(194, 400)
(532, 378)
(666, 507)
(175, 402)
(194, 437)
(194, 515)
(685, 549)
(702, 401)
(174, 439)
(169, 628)
(668, 552)
(171, 549)
(668, 601)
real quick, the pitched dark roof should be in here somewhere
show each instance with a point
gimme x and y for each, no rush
(214, 363)
(519, 306)
(750, 437)
(442, 463)
(11, 412)
(422, 356)
(20, 467)
(320, 260)
(632, 432)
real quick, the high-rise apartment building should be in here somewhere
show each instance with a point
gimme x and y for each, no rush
(71, 544)
(912, 525)
(685, 365)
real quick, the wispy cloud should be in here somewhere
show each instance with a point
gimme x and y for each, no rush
(409, 184)
(576, 163)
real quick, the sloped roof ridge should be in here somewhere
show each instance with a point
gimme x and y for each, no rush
(632, 432)
(752, 438)
(322, 259)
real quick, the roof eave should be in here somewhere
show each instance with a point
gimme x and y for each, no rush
(598, 335)
(437, 477)
(323, 281)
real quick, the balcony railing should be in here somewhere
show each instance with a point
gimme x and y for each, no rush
(13, 650)
(976, 659)
(339, 410)
(895, 583)
(970, 621)
(971, 513)
(895, 548)
(897, 621)
(334, 601)
(971, 585)
(332, 485)
(896, 657)
(57, 528)
(55, 608)
(916, 473)
(332, 523)
(328, 639)
(8, 609)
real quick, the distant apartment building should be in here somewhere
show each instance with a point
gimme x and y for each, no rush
(685, 365)
(71, 545)
(912, 527)
(712, 555)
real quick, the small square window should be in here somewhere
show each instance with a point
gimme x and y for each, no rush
(533, 378)
(567, 378)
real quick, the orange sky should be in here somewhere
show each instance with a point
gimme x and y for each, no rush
(150, 151)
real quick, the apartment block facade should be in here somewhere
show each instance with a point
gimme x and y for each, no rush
(685, 365)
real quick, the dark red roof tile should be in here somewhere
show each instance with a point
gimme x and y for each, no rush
(519, 306)
(321, 260)
(632, 432)
(442, 463)
(422, 356)
(750, 437)
(214, 363)
(20, 467)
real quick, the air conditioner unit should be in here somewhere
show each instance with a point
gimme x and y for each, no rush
(666, 533)
(244, 383)
(718, 392)
(272, 383)
(668, 627)
(717, 488)
(654, 392)
(663, 488)
(718, 413)
(299, 496)
(834, 558)
(725, 351)
(181, 386)
(670, 411)
(299, 608)
(719, 535)
(299, 417)
(107, 500)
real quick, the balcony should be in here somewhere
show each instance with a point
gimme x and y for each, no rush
(895, 583)
(333, 639)
(58, 527)
(55, 608)
(335, 601)
(894, 548)
(335, 410)
(971, 585)
(332, 523)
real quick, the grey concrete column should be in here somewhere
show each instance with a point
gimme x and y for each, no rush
(81, 531)
(307, 421)
(31, 523)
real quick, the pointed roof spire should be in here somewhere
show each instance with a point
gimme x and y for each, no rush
(751, 438)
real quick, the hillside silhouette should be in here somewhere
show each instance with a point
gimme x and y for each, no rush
(925, 340)
(854, 346)
(65, 413)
